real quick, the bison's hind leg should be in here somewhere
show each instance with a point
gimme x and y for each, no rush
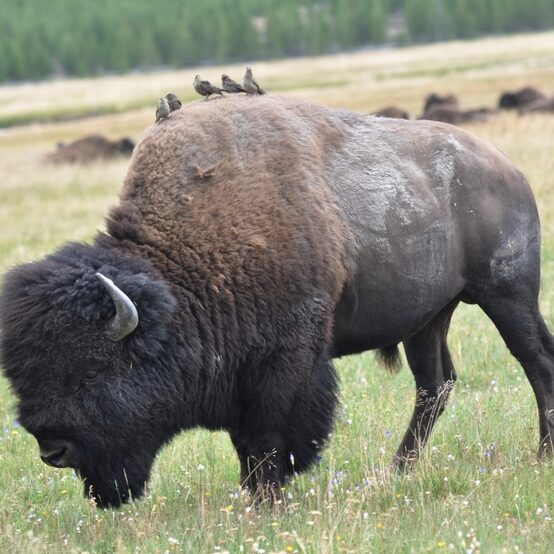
(507, 289)
(517, 317)
(429, 359)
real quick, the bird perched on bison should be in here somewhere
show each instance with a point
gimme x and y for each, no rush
(162, 111)
(249, 84)
(173, 102)
(205, 88)
(229, 85)
(236, 265)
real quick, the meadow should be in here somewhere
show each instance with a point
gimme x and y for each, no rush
(477, 488)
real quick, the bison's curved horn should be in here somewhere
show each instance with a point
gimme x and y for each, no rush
(126, 318)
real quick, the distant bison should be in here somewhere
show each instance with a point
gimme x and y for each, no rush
(542, 105)
(91, 148)
(392, 111)
(255, 239)
(433, 100)
(456, 116)
(519, 98)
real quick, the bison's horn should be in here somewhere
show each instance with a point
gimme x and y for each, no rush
(125, 320)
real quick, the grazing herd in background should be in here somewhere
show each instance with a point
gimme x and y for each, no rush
(91, 148)
(447, 108)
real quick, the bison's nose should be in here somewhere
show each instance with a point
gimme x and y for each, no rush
(57, 453)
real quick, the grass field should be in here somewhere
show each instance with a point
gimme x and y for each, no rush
(478, 487)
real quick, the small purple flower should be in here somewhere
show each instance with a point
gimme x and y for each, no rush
(490, 450)
(387, 434)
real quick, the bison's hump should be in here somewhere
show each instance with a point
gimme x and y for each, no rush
(235, 134)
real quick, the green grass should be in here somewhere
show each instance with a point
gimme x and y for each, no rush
(477, 488)
(462, 492)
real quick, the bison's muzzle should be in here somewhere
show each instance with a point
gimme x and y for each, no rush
(58, 453)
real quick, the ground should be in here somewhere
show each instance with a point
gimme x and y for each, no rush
(478, 487)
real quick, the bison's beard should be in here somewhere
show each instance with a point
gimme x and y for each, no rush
(117, 483)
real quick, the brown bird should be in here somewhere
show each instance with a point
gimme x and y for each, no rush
(205, 88)
(162, 112)
(230, 86)
(250, 84)
(173, 102)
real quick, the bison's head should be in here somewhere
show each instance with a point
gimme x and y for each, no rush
(84, 345)
(507, 101)
(125, 146)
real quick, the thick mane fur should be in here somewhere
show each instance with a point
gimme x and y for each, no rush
(230, 199)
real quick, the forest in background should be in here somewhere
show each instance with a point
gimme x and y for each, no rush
(78, 37)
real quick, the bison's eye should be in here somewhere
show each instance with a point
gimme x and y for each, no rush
(91, 376)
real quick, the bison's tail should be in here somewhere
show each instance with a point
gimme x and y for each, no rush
(389, 357)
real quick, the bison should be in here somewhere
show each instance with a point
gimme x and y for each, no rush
(519, 98)
(255, 239)
(456, 116)
(91, 148)
(434, 100)
(542, 105)
(394, 112)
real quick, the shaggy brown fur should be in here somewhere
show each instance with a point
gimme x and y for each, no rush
(91, 148)
(199, 142)
(394, 112)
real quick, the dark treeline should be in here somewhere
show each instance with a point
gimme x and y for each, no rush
(39, 38)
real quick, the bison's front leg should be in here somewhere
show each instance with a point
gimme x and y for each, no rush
(285, 420)
(262, 463)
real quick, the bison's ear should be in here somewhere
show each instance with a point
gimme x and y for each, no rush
(155, 306)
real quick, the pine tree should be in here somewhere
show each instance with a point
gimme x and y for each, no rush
(377, 22)
(320, 30)
(82, 37)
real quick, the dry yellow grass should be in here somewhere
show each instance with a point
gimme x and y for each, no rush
(363, 80)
